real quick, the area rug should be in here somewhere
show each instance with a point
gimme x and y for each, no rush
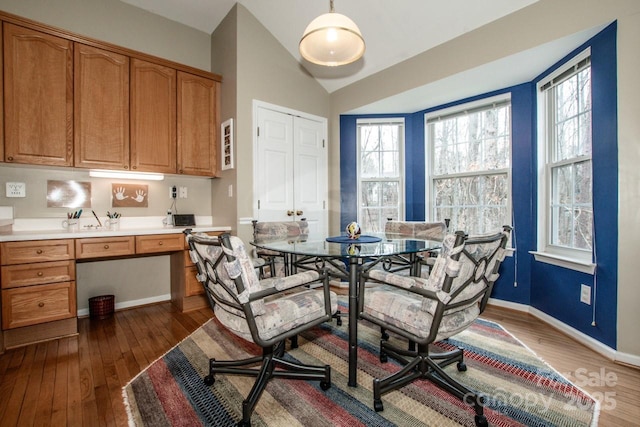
(519, 388)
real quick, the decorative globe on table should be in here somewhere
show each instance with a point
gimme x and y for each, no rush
(353, 230)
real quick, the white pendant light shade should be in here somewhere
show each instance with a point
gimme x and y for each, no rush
(332, 39)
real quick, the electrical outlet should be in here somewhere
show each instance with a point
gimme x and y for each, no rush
(585, 294)
(16, 189)
(183, 192)
(173, 192)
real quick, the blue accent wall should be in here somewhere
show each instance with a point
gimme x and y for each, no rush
(550, 289)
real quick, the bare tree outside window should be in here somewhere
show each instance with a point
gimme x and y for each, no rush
(570, 162)
(470, 167)
(380, 148)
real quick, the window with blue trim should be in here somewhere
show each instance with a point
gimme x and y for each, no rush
(469, 158)
(380, 172)
(566, 204)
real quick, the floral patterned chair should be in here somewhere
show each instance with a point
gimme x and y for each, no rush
(265, 312)
(428, 310)
(272, 231)
(419, 230)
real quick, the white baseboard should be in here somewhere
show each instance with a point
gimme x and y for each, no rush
(83, 312)
(581, 337)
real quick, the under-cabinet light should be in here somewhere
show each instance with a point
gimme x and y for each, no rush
(148, 176)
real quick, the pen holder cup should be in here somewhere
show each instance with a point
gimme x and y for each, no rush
(71, 225)
(113, 224)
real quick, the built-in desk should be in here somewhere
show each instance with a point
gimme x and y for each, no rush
(38, 274)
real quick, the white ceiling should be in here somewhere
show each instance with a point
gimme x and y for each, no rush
(393, 32)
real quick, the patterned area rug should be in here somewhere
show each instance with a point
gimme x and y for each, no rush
(519, 388)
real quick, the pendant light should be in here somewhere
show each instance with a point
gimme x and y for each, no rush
(332, 39)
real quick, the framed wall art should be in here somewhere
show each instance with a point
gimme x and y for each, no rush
(226, 153)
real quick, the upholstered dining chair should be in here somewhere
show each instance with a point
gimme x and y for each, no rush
(271, 231)
(419, 230)
(433, 309)
(265, 312)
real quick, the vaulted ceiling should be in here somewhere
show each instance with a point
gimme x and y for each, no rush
(393, 32)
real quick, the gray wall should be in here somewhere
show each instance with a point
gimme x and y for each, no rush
(542, 22)
(267, 72)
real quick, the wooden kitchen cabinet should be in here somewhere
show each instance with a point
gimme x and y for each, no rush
(153, 117)
(101, 99)
(187, 292)
(104, 247)
(159, 243)
(197, 125)
(38, 290)
(38, 97)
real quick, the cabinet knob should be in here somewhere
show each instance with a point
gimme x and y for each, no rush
(40, 273)
(290, 213)
(160, 243)
(40, 304)
(299, 212)
(10, 158)
(106, 246)
(39, 251)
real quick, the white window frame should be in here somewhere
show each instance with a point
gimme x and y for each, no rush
(571, 258)
(457, 109)
(401, 171)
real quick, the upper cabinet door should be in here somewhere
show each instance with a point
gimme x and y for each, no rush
(101, 119)
(153, 117)
(38, 102)
(198, 124)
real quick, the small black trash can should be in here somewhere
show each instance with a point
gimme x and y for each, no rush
(101, 307)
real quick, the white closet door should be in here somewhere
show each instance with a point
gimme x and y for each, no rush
(291, 170)
(310, 174)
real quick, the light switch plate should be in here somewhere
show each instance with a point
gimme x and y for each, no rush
(16, 189)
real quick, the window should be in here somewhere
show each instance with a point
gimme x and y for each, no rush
(380, 172)
(566, 219)
(470, 155)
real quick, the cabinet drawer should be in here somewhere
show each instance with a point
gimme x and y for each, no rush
(38, 304)
(98, 247)
(154, 243)
(14, 276)
(36, 251)
(192, 286)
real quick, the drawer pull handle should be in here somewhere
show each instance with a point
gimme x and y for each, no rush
(40, 273)
(39, 251)
(40, 304)
(106, 246)
(160, 243)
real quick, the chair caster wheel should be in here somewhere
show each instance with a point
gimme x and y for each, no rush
(209, 380)
(385, 336)
(377, 405)
(462, 367)
(383, 358)
(339, 322)
(325, 385)
(481, 421)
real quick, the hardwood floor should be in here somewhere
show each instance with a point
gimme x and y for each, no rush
(77, 381)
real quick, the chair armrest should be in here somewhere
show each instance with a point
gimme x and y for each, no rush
(416, 285)
(276, 285)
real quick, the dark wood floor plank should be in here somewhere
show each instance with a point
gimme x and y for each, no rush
(107, 354)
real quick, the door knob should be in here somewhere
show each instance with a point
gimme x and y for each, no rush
(299, 212)
(290, 213)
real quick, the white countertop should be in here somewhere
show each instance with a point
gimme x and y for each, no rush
(51, 228)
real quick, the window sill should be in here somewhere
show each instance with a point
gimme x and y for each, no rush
(560, 261)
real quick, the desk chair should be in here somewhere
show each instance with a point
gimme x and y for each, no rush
(428, 310)
(265, 312)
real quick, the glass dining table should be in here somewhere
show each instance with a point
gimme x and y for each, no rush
(345, 259)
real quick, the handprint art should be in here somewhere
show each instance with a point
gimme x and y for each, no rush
(130, 195)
